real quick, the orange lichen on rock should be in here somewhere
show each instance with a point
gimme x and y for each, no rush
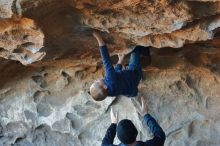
(21, 40)
(16, 23)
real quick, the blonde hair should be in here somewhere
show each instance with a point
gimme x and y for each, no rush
(97, 92)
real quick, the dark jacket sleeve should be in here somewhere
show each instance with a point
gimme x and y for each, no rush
(109, 70)
(109, 136)
(159, 135)
(118, 67)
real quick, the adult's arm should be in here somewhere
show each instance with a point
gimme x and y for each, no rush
(159, 135)
(109, 136)
(109, 70)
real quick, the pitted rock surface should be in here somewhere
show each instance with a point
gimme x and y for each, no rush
(49, 59)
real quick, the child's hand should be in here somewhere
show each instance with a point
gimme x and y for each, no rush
(98, 38)
(120, 58)
(114, 117)
(97, 35)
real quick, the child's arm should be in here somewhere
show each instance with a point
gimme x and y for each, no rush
(109, 70)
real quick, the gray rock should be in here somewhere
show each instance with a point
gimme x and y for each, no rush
(44, 109)
(63, 126)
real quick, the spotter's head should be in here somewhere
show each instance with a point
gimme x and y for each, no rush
(98, 90)
(126, 132)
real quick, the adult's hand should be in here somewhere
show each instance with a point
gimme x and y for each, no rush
(114, 117)
(144, 109)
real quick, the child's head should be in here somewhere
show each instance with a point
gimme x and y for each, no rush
(98, 90)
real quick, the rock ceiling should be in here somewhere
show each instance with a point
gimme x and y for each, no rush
(54, 29)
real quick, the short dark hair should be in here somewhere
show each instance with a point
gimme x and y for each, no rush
(126, 131)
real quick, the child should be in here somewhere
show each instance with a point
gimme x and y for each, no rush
(118, 81)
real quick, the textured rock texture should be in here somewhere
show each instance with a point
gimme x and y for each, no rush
(20, 40)
(153, 23)
(50, 105)
(65, 25)
(46, 102)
